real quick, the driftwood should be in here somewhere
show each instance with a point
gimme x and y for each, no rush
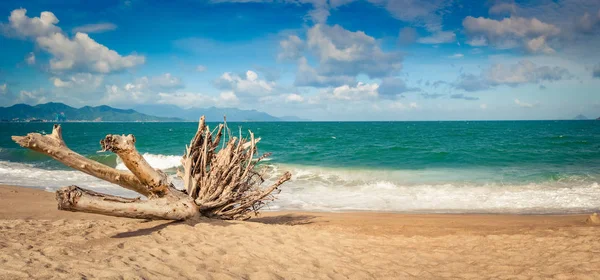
(219, 173)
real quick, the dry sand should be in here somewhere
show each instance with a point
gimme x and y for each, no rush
(37, 241)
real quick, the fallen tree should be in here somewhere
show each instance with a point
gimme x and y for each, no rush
(219, 174)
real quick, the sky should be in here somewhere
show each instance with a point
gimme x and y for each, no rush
(328, 60)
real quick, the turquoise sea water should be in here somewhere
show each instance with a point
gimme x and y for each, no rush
(467, 166)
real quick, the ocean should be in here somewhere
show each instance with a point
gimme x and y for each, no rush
(528, 167)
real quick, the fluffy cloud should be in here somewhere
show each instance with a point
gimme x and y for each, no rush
(95, 28)
(530, 34)
(341, 54)
(291, 48)
(80, 53)
(3, 88)
(523, 72)
(294, 98)
(166, 81)
(308, 76)
(249, 85)
(19, 25)
(349, 93)
(142, 90)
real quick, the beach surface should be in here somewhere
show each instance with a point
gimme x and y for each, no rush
(40, 242)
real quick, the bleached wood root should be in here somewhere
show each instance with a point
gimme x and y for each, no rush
(54, 146)
(76, 199)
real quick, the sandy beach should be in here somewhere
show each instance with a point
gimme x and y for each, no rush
(40, 242)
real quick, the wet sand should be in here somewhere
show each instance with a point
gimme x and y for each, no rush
(37, 241)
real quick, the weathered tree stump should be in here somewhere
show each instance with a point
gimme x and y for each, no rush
(219, 182)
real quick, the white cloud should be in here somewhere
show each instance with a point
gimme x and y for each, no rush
(523, 72)
(3, 88)
(201, 68)
(20, 25)
(31, 97)
(142, 90)
(30, 59)
(249, 85)
(294, 98)
(80, 53)
(531, 34)
(95, 28)
(483, 106)
(342, 55)
(438, 37)
(308, 76)
(457, 55)
(79, 81)
(359, 92)
(413, 105)
(166, 81)
(291, 48)
(229, 97)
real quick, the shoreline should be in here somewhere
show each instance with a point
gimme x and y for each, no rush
(43, 242)
(508, 212)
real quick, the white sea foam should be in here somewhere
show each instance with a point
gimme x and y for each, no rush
(157, 161)
(325, 189)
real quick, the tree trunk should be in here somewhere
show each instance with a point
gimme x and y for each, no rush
(219, 183)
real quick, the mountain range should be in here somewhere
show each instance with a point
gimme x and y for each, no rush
(147, 113)
(212, 114)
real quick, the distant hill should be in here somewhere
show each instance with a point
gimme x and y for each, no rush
(212, 114)
(581, 118)
(62, 112)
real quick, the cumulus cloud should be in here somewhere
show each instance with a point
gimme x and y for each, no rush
(523, 72)
(142, 90)
(291, 48)
(294, 98)
(249, 85)
(352, 93)
(345, 53)
(530, 34)
(308, 76)
(166, 81)
(95, 28)
(80, 53)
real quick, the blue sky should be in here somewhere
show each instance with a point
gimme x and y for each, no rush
(316, 59)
